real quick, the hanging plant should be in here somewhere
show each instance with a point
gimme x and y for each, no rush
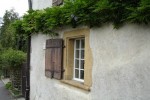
(93, 13)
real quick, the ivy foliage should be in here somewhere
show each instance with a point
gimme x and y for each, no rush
(141, 14)
(92, 13)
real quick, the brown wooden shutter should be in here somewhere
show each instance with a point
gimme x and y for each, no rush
(53, 58)
(57, 2)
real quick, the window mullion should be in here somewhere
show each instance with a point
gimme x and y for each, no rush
(80, 59)
(74, 58)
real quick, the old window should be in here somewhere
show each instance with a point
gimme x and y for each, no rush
(79, 59)
(53, 58)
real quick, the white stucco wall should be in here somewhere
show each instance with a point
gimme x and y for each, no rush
(41, 4)
(120, 71)
(121, 63)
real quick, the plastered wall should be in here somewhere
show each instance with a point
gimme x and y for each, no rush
(120, 70)
(41, 4)
(121, 63)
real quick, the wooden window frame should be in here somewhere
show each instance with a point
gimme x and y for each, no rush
(80, 59)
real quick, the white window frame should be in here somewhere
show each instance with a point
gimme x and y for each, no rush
(80, 59)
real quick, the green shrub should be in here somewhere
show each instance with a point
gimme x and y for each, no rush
(12, 59)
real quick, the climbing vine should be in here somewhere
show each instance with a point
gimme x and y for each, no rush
(92, 13)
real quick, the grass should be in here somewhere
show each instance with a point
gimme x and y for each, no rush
(13, 91)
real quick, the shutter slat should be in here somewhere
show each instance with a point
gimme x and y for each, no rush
(57, 64)
(48, 64)
(53, 58)
(53, 43)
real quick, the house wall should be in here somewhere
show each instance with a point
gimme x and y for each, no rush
(120, 70)
(40, 4)
(43, 88)
(121, 63)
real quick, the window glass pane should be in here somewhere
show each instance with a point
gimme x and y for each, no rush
(82, 54)
(77, 44)
(81, 74)
(79, 58)
(76, 73)
(82, 64)
(77, 54)
(82, 43)
(77, 63)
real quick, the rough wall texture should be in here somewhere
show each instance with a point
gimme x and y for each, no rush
(121, 63)
(120, 71)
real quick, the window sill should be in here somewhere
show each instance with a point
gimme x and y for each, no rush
(76, 84)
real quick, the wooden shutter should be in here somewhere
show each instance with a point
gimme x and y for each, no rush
(57, 2)
(53, 58)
